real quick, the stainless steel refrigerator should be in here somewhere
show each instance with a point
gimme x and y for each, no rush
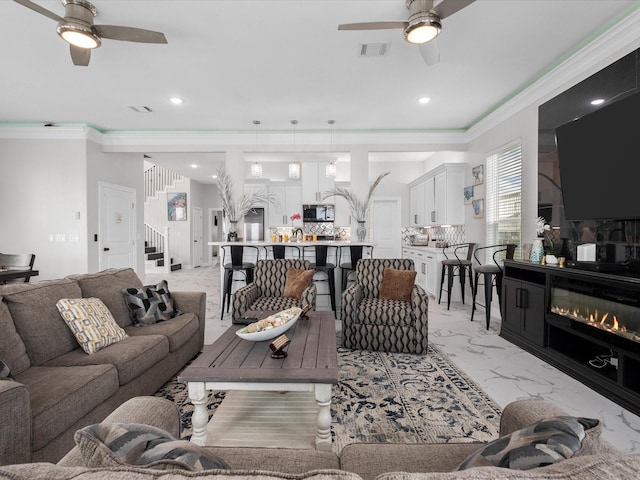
(254, 225)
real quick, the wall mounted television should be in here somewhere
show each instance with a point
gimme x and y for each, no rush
(599, 161)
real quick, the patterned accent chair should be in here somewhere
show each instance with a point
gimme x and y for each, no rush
(371, 323)
(267, 288)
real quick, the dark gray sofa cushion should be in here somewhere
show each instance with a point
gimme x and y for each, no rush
(12, 349)
(38, 321)
(177, 330)
(62, 395)
(107, 285)
(131, 356)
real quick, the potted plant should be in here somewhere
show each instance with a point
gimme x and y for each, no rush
(234, 211)
(359, 208)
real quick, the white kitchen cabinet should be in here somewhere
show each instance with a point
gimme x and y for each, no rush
(315, 182)
(433, 269)
(419, 264)
(417, 204)
(289, 201)
(342, 209)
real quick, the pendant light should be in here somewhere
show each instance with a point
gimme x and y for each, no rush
(330, 169)
(294, 167)
(256, 168)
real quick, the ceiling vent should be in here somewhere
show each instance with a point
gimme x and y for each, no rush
(373, 49)
(140, 109)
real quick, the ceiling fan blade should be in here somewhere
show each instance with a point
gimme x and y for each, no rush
(130, 34)
(41, 10)
(430, 52)
(372, 25)
(80, 56)
(447, 8)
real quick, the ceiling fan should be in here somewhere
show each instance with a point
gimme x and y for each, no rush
(77, 28)
(423, 26)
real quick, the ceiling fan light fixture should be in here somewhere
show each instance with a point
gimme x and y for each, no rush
(79, 35)
(423, 29)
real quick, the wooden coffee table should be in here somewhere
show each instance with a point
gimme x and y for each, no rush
(232, 363)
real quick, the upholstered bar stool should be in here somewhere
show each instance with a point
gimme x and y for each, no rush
(459, 267)
(237, 264)
(356, 252)
(492, 274)
(320, 264)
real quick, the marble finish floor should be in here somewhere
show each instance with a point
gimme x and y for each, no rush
(503, 370)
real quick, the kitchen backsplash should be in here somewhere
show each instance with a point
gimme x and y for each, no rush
(450, 235)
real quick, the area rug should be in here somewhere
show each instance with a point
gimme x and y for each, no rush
(390, 397)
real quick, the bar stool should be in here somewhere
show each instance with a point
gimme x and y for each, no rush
(320, 264)
(280, 251)
(356, 252)
(456, 267)
(492, 275)
(237, 264)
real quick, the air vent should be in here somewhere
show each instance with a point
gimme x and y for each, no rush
(373, 49)
(140, 109)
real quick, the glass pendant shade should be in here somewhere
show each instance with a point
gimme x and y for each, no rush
(256, 170)
(331, 170)
(294, 170)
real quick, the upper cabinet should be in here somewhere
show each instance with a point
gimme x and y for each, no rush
(437, 197)
(315, 182)
(289, 199)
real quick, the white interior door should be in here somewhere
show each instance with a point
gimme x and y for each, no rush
(196, 235)
(117, 234)
(385, 225)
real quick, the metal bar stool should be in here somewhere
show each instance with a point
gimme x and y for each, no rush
(356, 252)
(279, 251)
(492, 275)
(320, 264)
(237, 264)
(456, 267)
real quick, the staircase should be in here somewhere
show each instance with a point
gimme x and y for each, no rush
(155, 261)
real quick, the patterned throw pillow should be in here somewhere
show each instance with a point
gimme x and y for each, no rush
(5, 371)
(117, 444)
(543, 443)
(397, 284)
(297, 281)
(91, 322)
(150, 304)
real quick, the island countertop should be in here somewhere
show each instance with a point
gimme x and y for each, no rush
(337, 243)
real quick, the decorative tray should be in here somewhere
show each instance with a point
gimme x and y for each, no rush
(270, 327)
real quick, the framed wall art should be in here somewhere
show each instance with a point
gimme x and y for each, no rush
(468, 195)
(177, 206)
(478, 174)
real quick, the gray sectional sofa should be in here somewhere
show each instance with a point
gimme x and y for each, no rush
(57, 388)
(595, 460)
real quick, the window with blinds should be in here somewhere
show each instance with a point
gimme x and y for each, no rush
(503, 197)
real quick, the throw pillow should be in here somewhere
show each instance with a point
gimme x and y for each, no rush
(150, 304)
(91, 322)
(397, 284)
(297, 280)
(5, 371)
(118, 444)
(543, 443)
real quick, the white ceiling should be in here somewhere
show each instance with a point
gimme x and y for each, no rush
(235, 61)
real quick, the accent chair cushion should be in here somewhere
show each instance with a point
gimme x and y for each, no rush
(91, 322)
(150, 304)
(397, 284)
(543, 443)
(118, 444)
(297, 281)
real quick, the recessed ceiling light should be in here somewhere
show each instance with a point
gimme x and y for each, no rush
(597, 101)
(214, 176)
(176, 100)
(193, 165)
(424, 100)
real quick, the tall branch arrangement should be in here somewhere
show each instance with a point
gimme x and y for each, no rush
(236, 210)
(359, 208)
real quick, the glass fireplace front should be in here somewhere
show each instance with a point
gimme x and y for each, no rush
(610, 309)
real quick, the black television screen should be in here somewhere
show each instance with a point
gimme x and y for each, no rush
(599, 160)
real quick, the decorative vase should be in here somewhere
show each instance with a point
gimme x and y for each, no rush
(537, 251)
(233, 233)
(361, 231)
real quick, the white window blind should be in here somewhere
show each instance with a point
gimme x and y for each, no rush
(503, 197)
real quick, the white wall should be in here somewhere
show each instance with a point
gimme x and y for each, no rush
(42, 189)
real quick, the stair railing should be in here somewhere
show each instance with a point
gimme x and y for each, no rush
(159, 240)
(157, 179)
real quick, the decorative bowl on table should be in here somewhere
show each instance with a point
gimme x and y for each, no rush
(270, 327)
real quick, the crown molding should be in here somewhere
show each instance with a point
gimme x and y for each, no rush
(53, 132)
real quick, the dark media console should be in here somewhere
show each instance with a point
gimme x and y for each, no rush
(586, 323)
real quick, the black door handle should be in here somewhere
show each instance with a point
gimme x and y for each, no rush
(106, 249)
